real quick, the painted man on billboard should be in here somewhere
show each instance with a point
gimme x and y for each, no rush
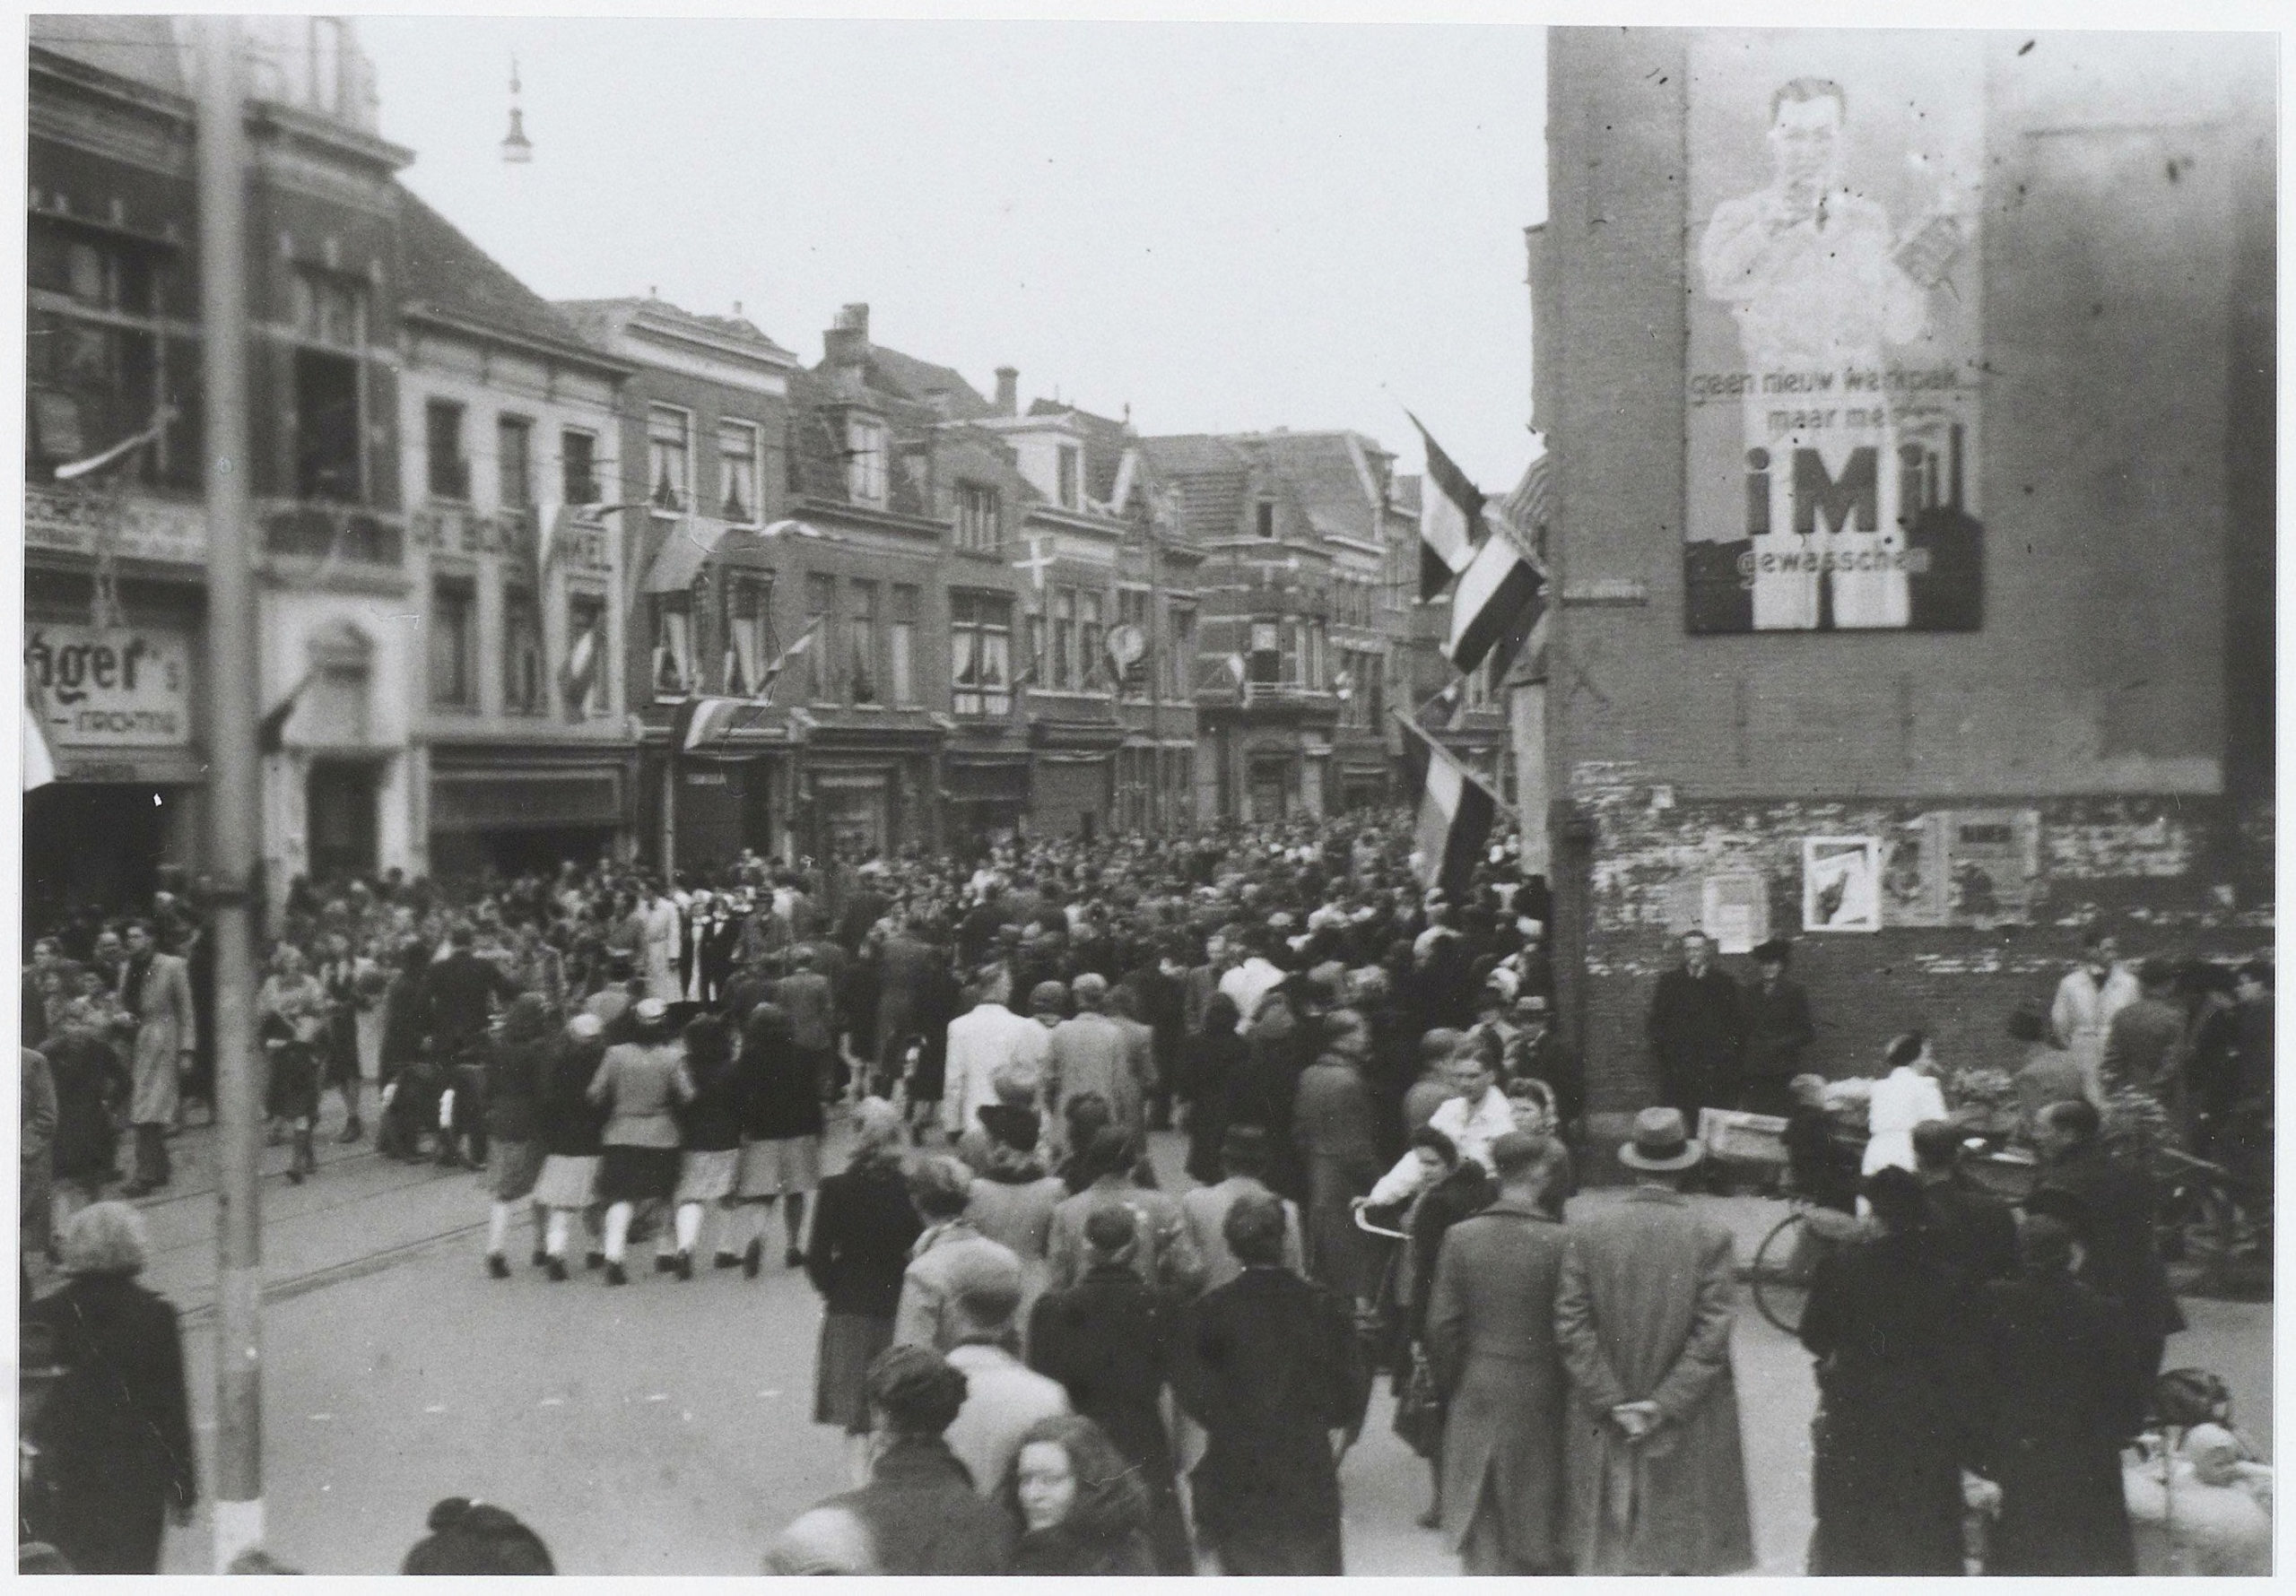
(1823, 289)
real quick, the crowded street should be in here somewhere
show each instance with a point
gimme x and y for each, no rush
(1302, 948)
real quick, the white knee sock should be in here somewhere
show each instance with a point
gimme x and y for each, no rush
(617, 1230)
(498, 1227)
(689, 1225)
(560, 1229)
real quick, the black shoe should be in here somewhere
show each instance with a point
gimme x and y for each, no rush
(555, 1269)
(294, 1177)
(683, 1266)
(725, 1260)
(663, 1262)
(614, 1277)
(794, 1258)
(353, 1132)
(595, 1261)
(752, 1259)
(540, 1258)
(498, 1266)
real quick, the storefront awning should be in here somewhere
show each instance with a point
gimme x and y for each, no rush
(691, 541)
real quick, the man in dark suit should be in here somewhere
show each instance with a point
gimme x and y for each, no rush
(2111, 1209)
(2141, 1040)
(1777, 1031)
(460, 993)
(1108, 1339)
(1696, 1031)
(1978, 1231)
(1269, 1371)
(1490, 1336)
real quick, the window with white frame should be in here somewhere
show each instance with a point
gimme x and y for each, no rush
(673, 646)
(1183, 652)
(586, 654)
(523, 691)
(669, 458)
(980, 652)
(737, 473)
(901, 647)
(748, 604)
(1063, 638)
(978, 525)
(1095, 666)
(578, 466)
(514, 465)
(862, 636)
(864, 460)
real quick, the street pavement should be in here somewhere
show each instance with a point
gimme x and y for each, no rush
(664, 1428)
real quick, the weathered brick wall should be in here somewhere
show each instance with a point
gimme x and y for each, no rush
(2138, 866)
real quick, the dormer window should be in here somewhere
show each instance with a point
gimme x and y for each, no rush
(864, 460)
(1072, 476)
(1264, 512)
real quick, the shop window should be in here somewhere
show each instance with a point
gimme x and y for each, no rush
(586, 654)
(522, 681)
(900, 640)
(821, 666)
(514, 450)
(673, 646)
(748, 604)
(578, 466)
(1063, 638)
(864, 460)
(452, 626)
(737, 473)
(669, 449)
(977, 519)
(862, 638)
(981, 643)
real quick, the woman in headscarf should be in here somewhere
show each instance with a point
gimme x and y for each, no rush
(864, 1225)
(709, 1126)
(639, 1083)
(1080, 1508)
(518, 1059)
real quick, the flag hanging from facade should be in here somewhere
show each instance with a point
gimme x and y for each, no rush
(701, 721)
(1498, 600)
(40, 764)
(1455, 812)
(1450, 519)
(797, 650)
(271, 731)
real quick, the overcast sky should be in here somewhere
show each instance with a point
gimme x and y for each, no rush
(1228, 226)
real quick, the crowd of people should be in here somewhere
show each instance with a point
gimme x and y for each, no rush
(1051, 1357)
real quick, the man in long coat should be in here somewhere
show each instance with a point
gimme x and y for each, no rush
(155, 989)
(1491, 1335)
(1696, 1031)
(2060, 1411)
(1268, 1368)
(2113, 1208)
(1656, 1477)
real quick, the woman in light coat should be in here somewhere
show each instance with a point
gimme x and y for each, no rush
(1907, 1096)
(639, 1083)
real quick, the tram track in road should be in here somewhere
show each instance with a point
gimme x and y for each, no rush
(286, 1288)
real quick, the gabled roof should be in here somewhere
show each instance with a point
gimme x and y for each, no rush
(1213, 476)
(817, 448)
(1329, 472)
(905, 377)
(446, 272)
(1105, 439)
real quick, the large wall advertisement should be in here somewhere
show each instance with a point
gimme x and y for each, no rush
(1835, 321)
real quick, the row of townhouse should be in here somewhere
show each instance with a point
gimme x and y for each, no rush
(509, 546)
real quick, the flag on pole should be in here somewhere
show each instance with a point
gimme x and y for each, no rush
(40, 764)
(271, 731)
(773, 673)
(700, 721)
(161, 420)
(1450, 519)
(1498, 601)
(1455, 812)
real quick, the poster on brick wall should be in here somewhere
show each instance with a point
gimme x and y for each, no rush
(1842, 883)
(1913, 872)
(1832, 401)
(1734, 911)
(1995, 862)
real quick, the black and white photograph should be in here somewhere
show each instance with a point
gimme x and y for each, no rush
(1087, 793)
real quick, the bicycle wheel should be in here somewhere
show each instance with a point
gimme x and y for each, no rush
(1779, 1277)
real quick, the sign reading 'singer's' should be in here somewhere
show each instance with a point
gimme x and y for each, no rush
(102, 687)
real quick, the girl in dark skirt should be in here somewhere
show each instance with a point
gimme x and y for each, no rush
(864, 1225)
(640, 1083)
(711, 1127)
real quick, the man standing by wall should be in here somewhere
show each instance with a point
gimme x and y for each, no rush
(1695, 1030)
(2088, 998)
(1778, 1032)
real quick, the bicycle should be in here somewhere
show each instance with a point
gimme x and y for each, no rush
(2211, 1217)
(1779, 1279)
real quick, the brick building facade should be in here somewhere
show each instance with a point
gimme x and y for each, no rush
(2095, 735)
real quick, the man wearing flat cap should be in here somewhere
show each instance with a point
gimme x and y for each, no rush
(1656, 1477)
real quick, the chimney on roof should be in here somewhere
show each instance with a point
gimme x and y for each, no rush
(1008, 391)
(845, 347)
